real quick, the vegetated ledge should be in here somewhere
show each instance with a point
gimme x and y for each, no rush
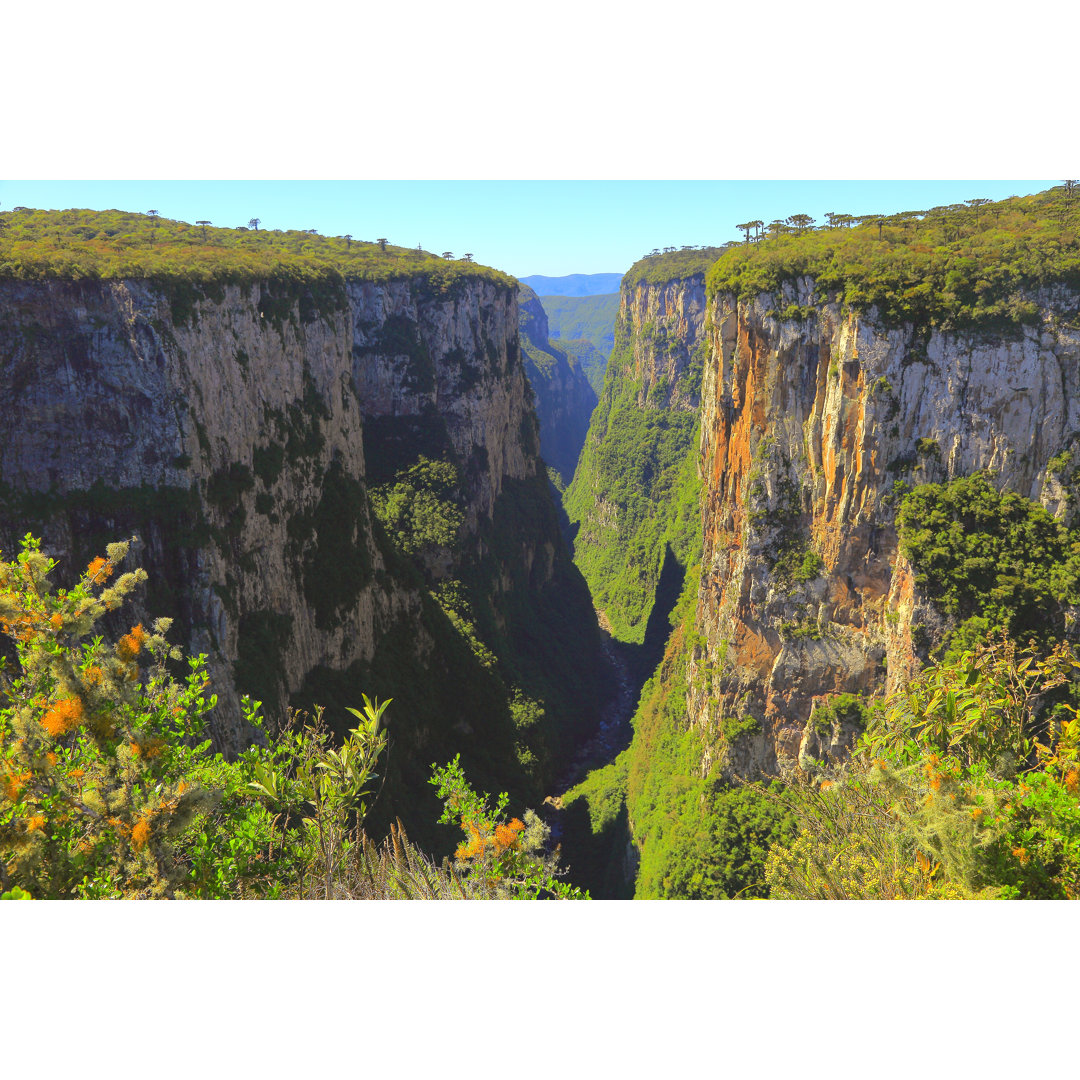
(672, 266)
(116, 245)
(952, 267)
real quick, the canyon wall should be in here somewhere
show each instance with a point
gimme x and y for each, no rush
(812, 430)
(237, 430)
(564, 398)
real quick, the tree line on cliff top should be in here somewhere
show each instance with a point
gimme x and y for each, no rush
(967, 265)
(115, 244)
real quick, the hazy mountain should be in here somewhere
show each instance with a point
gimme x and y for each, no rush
(573, 284)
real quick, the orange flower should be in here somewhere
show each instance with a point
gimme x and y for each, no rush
(57, 621)
(77, 774)
(825, 785)
(35, 823)
(13, 784)
(1022, 855)
(140, 834)
(1072, 779)
(127, 648)
(977, 813)
(506, 836)
(63, 716)
(50, 757)
(474, 847)
(99, 566)
(92, 675)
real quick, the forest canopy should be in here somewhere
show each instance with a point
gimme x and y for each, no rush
(115, 244)
(956, 266)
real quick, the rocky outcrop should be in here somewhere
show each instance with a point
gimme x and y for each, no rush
(810, 429)
(564, 398)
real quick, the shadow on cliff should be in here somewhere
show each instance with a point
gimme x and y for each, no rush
(642, 659)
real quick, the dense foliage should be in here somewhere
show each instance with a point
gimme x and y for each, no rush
(114, 244)
(698, 837)
(671, 265)
(109, 788)
(634, 495)
(991, 558)
(953, 266)
(590, 318)
(965, 785)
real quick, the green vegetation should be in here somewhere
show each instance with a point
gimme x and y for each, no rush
(993, 555)
(193, 262)
(698, 838)
(671, 265)
(109, 788)
(965, 785)
(951, 267)
(592, 361)
(841, 709)
(635, 495)
(586, 318)
(419, 510)
(505, 858)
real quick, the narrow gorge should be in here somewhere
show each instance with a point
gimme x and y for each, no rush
(677, 613)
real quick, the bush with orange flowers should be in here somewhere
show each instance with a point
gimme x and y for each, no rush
(82, 811)
(499, 858)
(108, 786)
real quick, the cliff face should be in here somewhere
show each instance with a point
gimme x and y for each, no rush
(238, 433)
(666, 324)
(809, 427)
(564, 398)
(634, 493)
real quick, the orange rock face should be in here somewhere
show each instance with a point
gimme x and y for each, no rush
(807, 426)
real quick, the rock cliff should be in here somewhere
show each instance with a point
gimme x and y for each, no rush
(564, 398)
(237, 430)
(812, 429)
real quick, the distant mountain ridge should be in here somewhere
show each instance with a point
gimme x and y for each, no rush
(573, 284)
(591, 318)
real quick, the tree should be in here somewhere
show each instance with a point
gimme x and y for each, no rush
(975, 204)
(746, 226)
(757, 225)
(348, 241)
(467, 256)
(1070, 187)
(152, 213)
(447, 254)
(776, 227)
(254, 223)
(802, 222)
(382, 242)
(203, 224)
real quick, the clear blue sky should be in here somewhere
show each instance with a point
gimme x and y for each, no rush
(524, 227)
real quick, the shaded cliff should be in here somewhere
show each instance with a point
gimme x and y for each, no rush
(247, 432)
(564, 398)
